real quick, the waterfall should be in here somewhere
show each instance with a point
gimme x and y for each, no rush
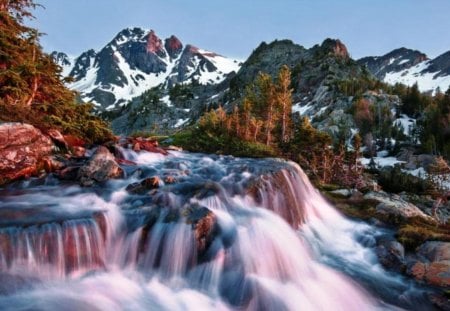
(228, 234)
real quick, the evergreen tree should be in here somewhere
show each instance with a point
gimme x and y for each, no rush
(284, 99)
(31, 89)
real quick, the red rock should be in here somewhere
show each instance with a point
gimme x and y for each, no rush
(173, 46)
(149, 145)
(50, 164)
(57, 137)
(22, 149)
(78, 151)
(73, 141)
(154, 43)
(433, 266)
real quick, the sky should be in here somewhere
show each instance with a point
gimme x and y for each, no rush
(234, 28)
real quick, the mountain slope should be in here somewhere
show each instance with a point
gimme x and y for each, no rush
(315, 72)
(409, 67)
(137, 60)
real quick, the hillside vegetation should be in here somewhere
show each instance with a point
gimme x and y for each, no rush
(31, 87)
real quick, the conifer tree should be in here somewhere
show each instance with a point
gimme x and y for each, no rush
(284, 100)
(31, 88)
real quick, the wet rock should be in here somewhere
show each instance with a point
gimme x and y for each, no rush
(342, 192)
(391, 255)
(394, 205)
(435, 251)
(22, 148)
(145, 185)
(203, 222)
(174, 148)
(100, 167)
(442, 301)
(170, 179)
(52, 164)
(433, 264)
(68, 173)
(139, 144)
(126, 162)
(78, 151)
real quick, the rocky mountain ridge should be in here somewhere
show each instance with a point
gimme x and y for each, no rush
(408, 67)
(137, 60)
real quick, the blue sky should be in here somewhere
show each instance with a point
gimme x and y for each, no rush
(235, 27)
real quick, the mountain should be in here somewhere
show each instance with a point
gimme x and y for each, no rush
(409, 67)
(315, 73)
(137, 60)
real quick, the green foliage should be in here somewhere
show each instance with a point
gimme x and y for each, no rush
(415, 231)
(394, 180)
(181, 92)
(434, 126)
(197, 140)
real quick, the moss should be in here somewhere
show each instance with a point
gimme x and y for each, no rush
(195, 140)
(416, 231)
(355, 208)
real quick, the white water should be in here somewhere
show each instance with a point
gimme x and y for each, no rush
(279, 247)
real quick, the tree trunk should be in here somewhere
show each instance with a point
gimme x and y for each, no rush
(33, 92)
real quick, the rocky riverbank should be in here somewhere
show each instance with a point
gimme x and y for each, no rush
(417, 243)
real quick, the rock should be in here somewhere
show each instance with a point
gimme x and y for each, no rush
(173, 46)
(413, 161)
(174, 148)
(342, 192)
(145, 185)
(100, 167)
(433, 264)
(203, 221)
(391, 255)
(170, 179)
(435, 251)
(126, 162)
(68, 173)
(57, 138)
(395, 205)
(78, 151)
(74, 141)
(52, 164)
(22, 149)
(149, 145)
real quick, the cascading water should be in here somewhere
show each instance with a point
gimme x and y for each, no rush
(224, 233)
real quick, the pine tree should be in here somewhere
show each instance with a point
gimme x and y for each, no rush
(246, 116)
(31, 89)
(284, 100)
(267, 104)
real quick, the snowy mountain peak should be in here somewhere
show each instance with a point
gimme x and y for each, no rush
(155, 44)
(173, 46)
(136, 60)
(409, 67)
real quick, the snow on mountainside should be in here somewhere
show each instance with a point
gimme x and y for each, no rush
(409, 67)
(137, 60)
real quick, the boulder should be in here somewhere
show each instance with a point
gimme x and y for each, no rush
(145, 185)
(391, 255)
(22, 149)
(433, 264)
(100, 167)
(144, 144)
(57, 138)
(394, 205)
(203, 222)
